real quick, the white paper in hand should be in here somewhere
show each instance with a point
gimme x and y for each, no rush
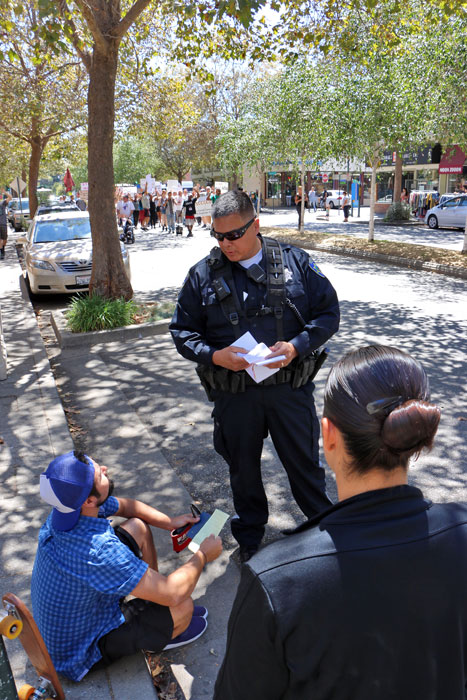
(255, 356)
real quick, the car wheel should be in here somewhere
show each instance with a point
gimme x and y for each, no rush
(432, 221)
(32, 296)
(332, 205)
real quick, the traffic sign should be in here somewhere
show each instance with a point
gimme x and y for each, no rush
(325, 177)
(18, 185)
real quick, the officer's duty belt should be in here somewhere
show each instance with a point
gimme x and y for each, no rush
(297, 374)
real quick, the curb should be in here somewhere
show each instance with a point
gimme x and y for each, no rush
(66, 339)
(448, 270)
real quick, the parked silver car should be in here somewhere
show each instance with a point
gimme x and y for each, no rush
(450, 213)
(19, 213)
(58, 254)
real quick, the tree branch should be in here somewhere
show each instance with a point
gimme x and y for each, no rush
(101, 42)
(13, 132)
(75, 38)
(49, 135)
(130, 17)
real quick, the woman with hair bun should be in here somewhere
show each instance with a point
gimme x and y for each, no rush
(368, 600)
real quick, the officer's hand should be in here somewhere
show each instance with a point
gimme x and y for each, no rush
(181, 520)
(282, 348)
(228, 358)
(211, 547)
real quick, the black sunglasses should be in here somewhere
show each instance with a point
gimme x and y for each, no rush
(232, 235)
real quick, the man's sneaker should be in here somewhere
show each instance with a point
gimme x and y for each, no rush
(195, 629)
(2, 254)
(200, 611)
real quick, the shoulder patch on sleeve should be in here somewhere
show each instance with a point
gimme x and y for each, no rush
(315, 268)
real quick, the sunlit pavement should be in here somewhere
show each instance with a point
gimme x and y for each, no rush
(358, 226)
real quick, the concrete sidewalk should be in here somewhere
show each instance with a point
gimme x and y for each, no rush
(34, 430)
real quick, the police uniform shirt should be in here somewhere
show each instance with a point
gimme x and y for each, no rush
(199, 326)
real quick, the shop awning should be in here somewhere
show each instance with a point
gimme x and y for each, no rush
(452, 160)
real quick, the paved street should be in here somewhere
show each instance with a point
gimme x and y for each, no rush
(358, 226)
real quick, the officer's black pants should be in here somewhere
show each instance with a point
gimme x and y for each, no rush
(241, 422)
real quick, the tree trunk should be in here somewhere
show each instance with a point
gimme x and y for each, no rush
(397, 179)
(302, 203)
(371, 226)
(464, 246)
(34, 164)
(234, 181)
(108, 277)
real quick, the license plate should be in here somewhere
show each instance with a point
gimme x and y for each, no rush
(84, 280)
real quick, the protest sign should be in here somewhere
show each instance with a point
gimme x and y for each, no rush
(173, 186)
(203, 208)
(222, 186)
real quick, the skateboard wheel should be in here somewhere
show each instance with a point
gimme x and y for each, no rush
(26, 691)
(11, 627)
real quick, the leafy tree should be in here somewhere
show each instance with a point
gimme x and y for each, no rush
(134, 158)
(177, 121)
(286, 119)
(49, 90)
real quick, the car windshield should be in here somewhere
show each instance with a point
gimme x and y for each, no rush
(66, 230)
(24, 205)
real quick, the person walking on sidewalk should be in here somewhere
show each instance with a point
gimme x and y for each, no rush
(279, 295)
(346, 205)
(313, 199)
(170, 212)
(4, 223)
(84, 568)
(366, 601)
(189, 206)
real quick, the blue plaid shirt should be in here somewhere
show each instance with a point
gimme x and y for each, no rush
(78, 579)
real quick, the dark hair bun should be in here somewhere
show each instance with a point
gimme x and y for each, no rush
(411, 427)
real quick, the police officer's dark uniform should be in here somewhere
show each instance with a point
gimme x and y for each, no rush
(220, 301)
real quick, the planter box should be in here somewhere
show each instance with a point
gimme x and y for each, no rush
(382, 207)
(66, 339)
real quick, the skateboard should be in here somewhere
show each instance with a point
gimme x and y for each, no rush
(17, 615)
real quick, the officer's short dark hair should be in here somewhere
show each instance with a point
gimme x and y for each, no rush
(233, 202)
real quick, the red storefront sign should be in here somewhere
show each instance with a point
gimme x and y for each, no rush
(452, 160)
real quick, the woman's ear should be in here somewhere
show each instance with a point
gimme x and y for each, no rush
(328, 431)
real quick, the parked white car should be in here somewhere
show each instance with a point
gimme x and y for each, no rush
(452, 213)
(334, 198)
(58, 253)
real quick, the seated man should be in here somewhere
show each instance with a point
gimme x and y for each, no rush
(367, 600)
(84, 569)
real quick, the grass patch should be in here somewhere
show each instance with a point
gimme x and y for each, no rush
(410, 251)
(94, 313)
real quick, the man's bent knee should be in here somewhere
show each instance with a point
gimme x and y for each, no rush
(138, 529)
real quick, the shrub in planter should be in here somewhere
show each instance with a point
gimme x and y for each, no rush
(94, 313)
(398, 211)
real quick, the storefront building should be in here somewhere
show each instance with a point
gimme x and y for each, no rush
(427, 169)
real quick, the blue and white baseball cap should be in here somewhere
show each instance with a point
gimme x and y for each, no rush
(65, 485)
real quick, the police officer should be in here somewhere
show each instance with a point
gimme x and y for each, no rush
(276, 292)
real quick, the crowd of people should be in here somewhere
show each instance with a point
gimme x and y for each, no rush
(166, 210)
